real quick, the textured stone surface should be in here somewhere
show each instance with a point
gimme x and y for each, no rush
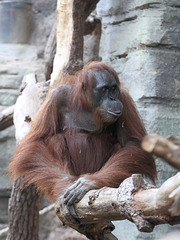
(8, 97)
(18, 52)
(142, 25)
(141, 40)
(43, 17)
(151, 73)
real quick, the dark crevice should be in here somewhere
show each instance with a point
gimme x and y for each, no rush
(124, 55)
(159, 100)
(7, 72)
(124, 20)
(161, 46)
(175, 6)
(148, 5)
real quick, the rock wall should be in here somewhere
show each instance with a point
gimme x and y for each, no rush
(141, 40)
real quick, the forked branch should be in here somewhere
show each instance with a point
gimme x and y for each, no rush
(135, 200)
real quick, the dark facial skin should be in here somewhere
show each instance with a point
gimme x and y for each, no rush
(105, 96)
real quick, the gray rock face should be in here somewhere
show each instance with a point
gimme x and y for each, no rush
(141, 40)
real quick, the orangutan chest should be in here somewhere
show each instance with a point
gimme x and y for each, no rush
(88, 153)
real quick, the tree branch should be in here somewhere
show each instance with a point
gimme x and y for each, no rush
(71, 16)
(135, 200)
(166, 148)
(6, 117)
(49, 52)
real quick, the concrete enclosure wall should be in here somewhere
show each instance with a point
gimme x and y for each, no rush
(141, 40)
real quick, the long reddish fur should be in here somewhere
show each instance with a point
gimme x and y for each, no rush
(49, 157)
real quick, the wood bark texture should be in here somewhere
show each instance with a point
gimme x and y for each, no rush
(166, 148)
(24, 215)
(71, 16)
(49, 52)
(135, 200)
(6, 118)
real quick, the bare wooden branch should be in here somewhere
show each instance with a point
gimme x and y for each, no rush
(89, 25)
(71, 16)
(134, 200)
(6, 117)
(49, 52)
(166, 148)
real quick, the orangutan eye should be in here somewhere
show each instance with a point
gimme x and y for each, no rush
(113, 88)
(104, 89)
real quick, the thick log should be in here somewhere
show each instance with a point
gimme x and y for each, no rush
(71, 16)
(6, 117)
(89, 26)
(166, 148)
(23, 211)
(134, 200)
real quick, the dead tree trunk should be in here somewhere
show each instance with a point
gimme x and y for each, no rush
(71, 17)
(49, 52)
(23, 212)
(6, 117)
